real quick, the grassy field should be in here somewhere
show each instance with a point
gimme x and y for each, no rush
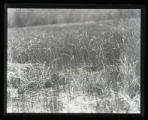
(91, 67)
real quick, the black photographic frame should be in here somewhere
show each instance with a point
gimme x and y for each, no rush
(81, 115)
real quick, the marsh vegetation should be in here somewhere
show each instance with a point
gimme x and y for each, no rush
(86, 68)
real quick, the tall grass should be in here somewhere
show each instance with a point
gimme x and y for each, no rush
(91, 62)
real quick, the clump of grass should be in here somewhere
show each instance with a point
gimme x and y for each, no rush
(87, 84)
(131, 81)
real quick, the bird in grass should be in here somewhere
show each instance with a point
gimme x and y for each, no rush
(32, 86)
(21, 90)
(98, 90)
(62, 81)
(15, 82)
(93, 68)
(48, 84)
(55, 78)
